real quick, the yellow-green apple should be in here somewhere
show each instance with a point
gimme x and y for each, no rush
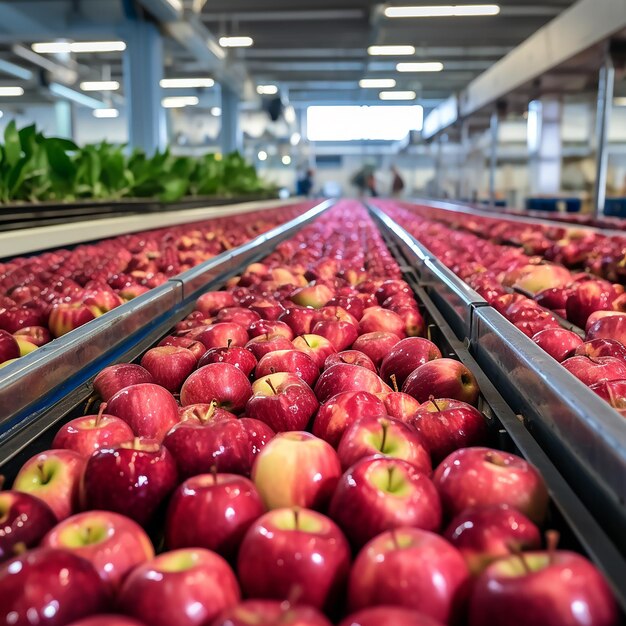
(317, 347)
(132, 478)
(602, 347)
(212, 302)
(240, 357)
(7, 363)
(294, 551)
(223, 334)
(283, 401)
(414, 560)
(473, 477)
(196, 347)
(169, 366)
(309, 469)
(376, 319)
(559, 343)
(351, 357)
(116, 377)
(298, 318)
(35, 334)
(376, 345)
(378, 494)
(24, 520)
(9, 347)
(270, 327)
(292, 361)
(48, 586)
(592, 370)
(212, 511)
(446, 425)
(343, 409)
(588, 297)
(536, 278)
(270, 613)
(314, 296)
(551, 588)
(487, 533)
(609, 327)
(187, 587)
(442, 378)
(114, 544)
(239, 315)
(228, 445)
(389, 616)
(340, 334)
(25, 346)
(54, 477)
(383, 436)
(265, 344)
(222, 382)
(66, 316)
(405, 357)
(91, 432)
(149, 409)
(343, 377)
(102, 301)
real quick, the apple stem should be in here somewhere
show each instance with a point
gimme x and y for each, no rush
(272, 370)
(101, 410)
(19, 548)
(516, 550)
(432, 399)
(305, 341)
(384, 441)
(552, 541)
(296, 518)
(210, 411)
(228, 343)
(394, 382)
(394, 538)
(214, 473)
(92, 398)
(295, 593)
(2, 481)
(269, 382)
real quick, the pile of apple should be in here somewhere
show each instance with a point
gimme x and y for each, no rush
(48, 295)
(594, 304)
(265, 451)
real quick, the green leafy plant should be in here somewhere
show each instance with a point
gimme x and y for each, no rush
(35, 168)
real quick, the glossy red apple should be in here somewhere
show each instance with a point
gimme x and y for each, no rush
(212, 302)
(609, 327)
(388, 616)
(270, 327)
(602, 347)
(204, 413)
(240, 357)
(559, 343)
(238, 315)
(67, 316)
(376, 345)
(299, 319)
(116, 377)
(376, 319)
(316, 346)
(196, 347)
(221, 382)
(270, 613)
(613, 392)
(400, 405)
(291, 361)
(223, 334)
(351, 357)
(169, 366)
(266, 344)
(9, 348)
(340, 334)
(343, 377)
(405, 357)
(38, 335)
(591, 370)
(588, 297)
(107, 620)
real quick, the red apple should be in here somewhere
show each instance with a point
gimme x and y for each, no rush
(116, 377)
(299, 319)
(598, 315)
(376, 345)
(196, 347)
(212, 511)
(221, 382)
(591, 370)
(240, 357)
(9, 348)
(204, 413)
(292, 361)
(52, 587)
(265, 344)
(268, 308)
(389, 616)
(270, 327)
(222, 334)
(473, 477)
(309, 469)
(35, 334)
(340, 334)
(446, 425)
(53, 476)
(609, 327)
(107, 620)
(392, 287)
(442, 378)
(188, 587)
(283, 401)
(334, 314)
(559, 343)
(613, 392)
(169, 366)
(133, 478)
(588, 297)
(378, 494)
(149, 409)
(602, 347)
(239, 315)
(405, 357)
(289, 551)
(270, 613)
(412, 568)
(487, 533)
(112, 543)
(400, 405)
(351, 357)
(316, 346)
(212, 302)
(376, 319)
(67, 316)
(343, 377)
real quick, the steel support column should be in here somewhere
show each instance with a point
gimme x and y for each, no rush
(605, 102)
(494, 127)
(231, 137)
(545, 146)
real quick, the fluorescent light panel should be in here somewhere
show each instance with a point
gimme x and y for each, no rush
(620, 101)
(100, 85)
(216, 111)
(262, 155)
(395, 51)
(57, 47)
(267, 90)
(186, 83)
(397, 95)
(105, 113)
(178, 102)
(377, 83)
(446, 10)
(433, 66)
(236, 42)
(11, 91)
(286, 160)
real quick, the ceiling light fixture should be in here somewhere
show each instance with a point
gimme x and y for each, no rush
(216, 111)
(100, 85)
(377, 83)
(236, 42)
(446, 10)
(286, 160)
(267, 90)
(397, 95)
(11, 91)
(186, 83)
(178, 102)
(105, 113)
(395, 51)
(433, 66)
(58, 47)
(262, 155)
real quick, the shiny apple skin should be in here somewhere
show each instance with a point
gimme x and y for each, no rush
(388, 616)
(240, 357)
(9, 348)
(609, 327)
(351, 357)
(169, 366)
(590, 370)
(196, 347)
(292, 361)
(270, 613)
(192, 597)
(132, 481)
(376, 319)
(401, 406)
(405, 357)
(223, 334)
(559, 343)
(83, 435)
(479, 476)
(115, 377)
(340, 333)
(213, 512)
(212, 302)
(343, 377)
(313, 562)
(376, 345)
(602, 347)
(44, 578)
(410, 568)
(24, 519)
(568, 592)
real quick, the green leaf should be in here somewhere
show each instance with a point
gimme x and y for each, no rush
(12, 144)
(60, 163)
(174, 190)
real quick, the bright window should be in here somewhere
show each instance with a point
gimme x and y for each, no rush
(358, 123)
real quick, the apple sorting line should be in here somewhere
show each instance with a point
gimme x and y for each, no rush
(300, 424)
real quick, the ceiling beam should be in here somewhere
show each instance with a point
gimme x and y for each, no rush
(285, 15)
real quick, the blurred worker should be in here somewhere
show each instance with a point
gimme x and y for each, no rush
(397, 183)
(304, 184)
(365, 181)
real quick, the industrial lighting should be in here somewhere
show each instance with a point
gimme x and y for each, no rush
(447, 10)
(11, 91)
(216, 111)
(236, 42)
(434, 66)
(295, 139)
(186, 83)
(178, 102)
(394, 51)
(267, 90)
(397, 95)
(100, 85)
(286, 160)
(619, 102)
(105, 113)
(59, 47)
(377, 83)
(1, 114)
(290, 114)
(262, 155)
